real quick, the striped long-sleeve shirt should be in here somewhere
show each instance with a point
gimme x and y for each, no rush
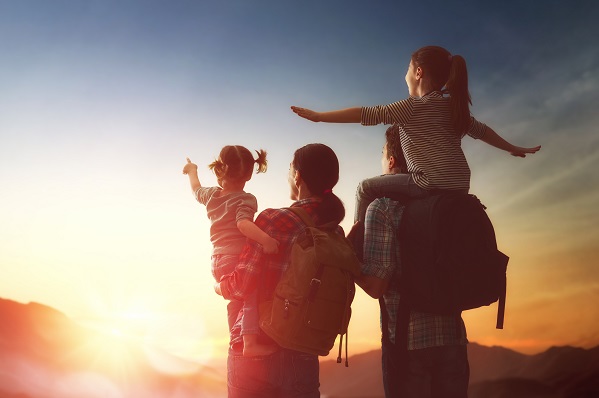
(432, 150)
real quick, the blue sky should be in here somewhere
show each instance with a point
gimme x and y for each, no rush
(101, 101)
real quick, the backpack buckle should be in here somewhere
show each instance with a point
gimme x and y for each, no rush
(314, 286)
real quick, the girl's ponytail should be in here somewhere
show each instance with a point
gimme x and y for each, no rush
(261, 161)
(218, 168)
(236, 162)
(459, 96)
(448, 74)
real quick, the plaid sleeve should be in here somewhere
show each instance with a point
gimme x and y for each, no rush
(379, 240)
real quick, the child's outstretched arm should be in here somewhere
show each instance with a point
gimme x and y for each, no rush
(252, 231)
(191, 170)
(493, 139)
(349, 115)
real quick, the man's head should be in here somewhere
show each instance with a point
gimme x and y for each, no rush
(393, 161)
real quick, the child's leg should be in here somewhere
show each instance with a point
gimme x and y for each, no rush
(233, 309)
(395, 186)
(250, 329)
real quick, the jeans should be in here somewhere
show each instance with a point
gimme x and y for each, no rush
(399, 187)
(435, 372)
(284, 374)
(223, 264)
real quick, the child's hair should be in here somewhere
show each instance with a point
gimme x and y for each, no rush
(394, 149)
(448, 74)
(236, 162)
(319, 168)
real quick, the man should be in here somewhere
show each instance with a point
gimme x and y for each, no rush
(434, 363)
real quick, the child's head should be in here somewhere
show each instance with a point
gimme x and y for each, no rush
(447, 73)
(236, 163)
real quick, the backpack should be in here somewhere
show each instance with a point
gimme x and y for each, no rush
(450, 261)
(312, 301)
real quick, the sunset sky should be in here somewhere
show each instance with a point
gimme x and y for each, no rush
(101, 102)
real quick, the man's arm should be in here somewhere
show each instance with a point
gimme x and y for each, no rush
(379, 249)
(375, 287)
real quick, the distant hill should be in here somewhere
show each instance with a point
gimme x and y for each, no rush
(495, 372)
(44, 354)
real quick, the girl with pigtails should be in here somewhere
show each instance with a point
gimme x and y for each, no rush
(231, 212)
(430, 123)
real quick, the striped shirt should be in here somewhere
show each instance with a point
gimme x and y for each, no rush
(432, 150)
(381, 259)
(224, 212)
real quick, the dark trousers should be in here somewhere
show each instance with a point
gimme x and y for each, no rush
(284, 374)
(435, 372)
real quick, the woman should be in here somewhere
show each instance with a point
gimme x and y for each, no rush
(313, 173)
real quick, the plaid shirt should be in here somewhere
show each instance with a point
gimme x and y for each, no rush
(257, 270)
(382, 260)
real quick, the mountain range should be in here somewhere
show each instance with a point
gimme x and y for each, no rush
(44, 354)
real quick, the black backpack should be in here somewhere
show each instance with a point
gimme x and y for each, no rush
(450, 261)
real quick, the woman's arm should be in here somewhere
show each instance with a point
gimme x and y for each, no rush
(349, 115)
(493, 139)
(251, 230)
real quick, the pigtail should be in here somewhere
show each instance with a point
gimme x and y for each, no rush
(261, 161)
(459, 96)
(218, 168)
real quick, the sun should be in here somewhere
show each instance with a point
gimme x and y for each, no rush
(172, 342)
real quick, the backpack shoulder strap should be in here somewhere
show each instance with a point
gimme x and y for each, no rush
(303, 214)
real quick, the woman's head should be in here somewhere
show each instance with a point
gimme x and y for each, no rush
(318, 167)
(446, 73)
(236, 163)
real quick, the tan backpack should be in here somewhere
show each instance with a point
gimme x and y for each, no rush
(312, 301)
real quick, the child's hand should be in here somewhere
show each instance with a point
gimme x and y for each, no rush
(271, 246)
(306, 113)
(190, 167)
(522, 152)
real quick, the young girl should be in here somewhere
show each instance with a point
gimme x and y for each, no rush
(432, 122)
(231, 213)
